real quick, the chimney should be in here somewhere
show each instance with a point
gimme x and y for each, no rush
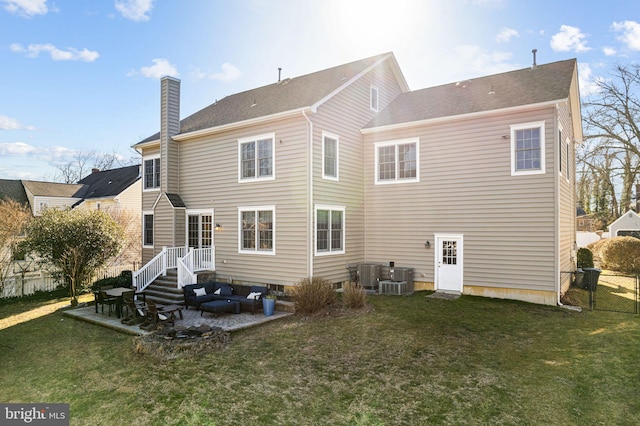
(95, 170)
(169, 126)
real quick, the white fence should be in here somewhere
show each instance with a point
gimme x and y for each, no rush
(16, 285)
(583, 239)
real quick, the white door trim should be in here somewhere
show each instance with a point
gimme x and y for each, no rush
(458, 273)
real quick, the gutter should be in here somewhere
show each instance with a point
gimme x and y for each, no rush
(310, 197)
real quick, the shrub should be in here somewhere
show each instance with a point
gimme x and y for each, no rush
(122, 280)
(585, 258)
(312, 294)
(354, 296)
(621, 254)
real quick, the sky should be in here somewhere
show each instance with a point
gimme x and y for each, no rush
(84, 76)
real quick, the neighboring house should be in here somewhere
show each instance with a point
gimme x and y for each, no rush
(627, 225)
(471, 184)
(118, 190)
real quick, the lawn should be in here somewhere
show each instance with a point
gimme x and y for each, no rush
(409, 360)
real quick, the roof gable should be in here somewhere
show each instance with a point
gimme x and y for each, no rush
(54, 189)
(13, 190)
(290, 94)
(544, 83)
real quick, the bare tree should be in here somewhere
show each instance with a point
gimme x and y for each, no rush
(84, 161)
(14, 218)
(609, 161)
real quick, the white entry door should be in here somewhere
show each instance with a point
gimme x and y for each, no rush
(449, 256)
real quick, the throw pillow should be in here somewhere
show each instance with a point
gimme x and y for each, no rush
(200, 291)
(226, 290)
(254, 295)
(217, 291)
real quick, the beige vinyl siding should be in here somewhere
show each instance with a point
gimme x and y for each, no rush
(566, 201)
(170, 125)
(211, 182)
(129, 199)
(466, 188)
(344, 116)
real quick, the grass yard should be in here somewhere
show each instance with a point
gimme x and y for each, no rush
(411, 360)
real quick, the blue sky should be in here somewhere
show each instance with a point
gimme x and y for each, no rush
(84, 76)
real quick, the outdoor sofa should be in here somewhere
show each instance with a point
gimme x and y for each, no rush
(248, 296)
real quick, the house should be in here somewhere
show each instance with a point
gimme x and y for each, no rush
(116, 190)
(627, 225)
(470, 184)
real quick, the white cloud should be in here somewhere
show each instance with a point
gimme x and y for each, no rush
(8, 123)
(587, 82)
(609, 51)
(630, 33)
(160, 68)
(481, 62)
(26, 8)
(136, 10)
(52, 155)
(71, 54)
(228, 73)
(569, 39)
(506, 34)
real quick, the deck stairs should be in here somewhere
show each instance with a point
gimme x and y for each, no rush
(164, 290)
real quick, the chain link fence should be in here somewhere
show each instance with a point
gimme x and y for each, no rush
(614, 293)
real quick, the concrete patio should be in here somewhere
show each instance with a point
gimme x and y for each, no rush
(191, 317)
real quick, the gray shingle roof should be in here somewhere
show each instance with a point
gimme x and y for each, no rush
(109, 183)
(287, 95)
(548, 82)
(53, 189)
(13, 190)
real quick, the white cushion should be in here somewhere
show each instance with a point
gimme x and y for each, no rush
(254, 295)
(200, 291)
(217, 291)
(162, 317)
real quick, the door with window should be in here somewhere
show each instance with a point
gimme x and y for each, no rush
(449, 263)
(200, 234)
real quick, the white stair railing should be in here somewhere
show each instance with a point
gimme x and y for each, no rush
(195, 260)
(186, 261)
(166, 259)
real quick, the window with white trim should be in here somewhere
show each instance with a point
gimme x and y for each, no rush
(397, 161)
(151, 173)
(147, 229)
(256, 158)
(257, 229)
(330, 235)
(330, 154)
(527, 148)
(199, 229)
(374, 99)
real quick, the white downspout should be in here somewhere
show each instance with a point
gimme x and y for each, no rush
(310, 229)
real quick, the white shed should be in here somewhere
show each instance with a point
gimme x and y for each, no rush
(626, 225)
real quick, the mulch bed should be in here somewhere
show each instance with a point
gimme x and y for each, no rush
(171, 343)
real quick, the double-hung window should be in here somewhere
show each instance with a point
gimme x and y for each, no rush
(147, 229)
(257, 230)
(256, 158)
(330, 150)
(151, 172)
(527, 148)
(397, 161)
(330, 229)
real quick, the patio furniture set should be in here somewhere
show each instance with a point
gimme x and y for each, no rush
(212, 297)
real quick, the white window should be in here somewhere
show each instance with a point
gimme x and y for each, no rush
(257, 230)
(43, 206)
(374, 99)
(147, 229)
(330, 154)
(397, 161)
(527, 148)
(256, 158)
(151, 176)
(330, 229)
